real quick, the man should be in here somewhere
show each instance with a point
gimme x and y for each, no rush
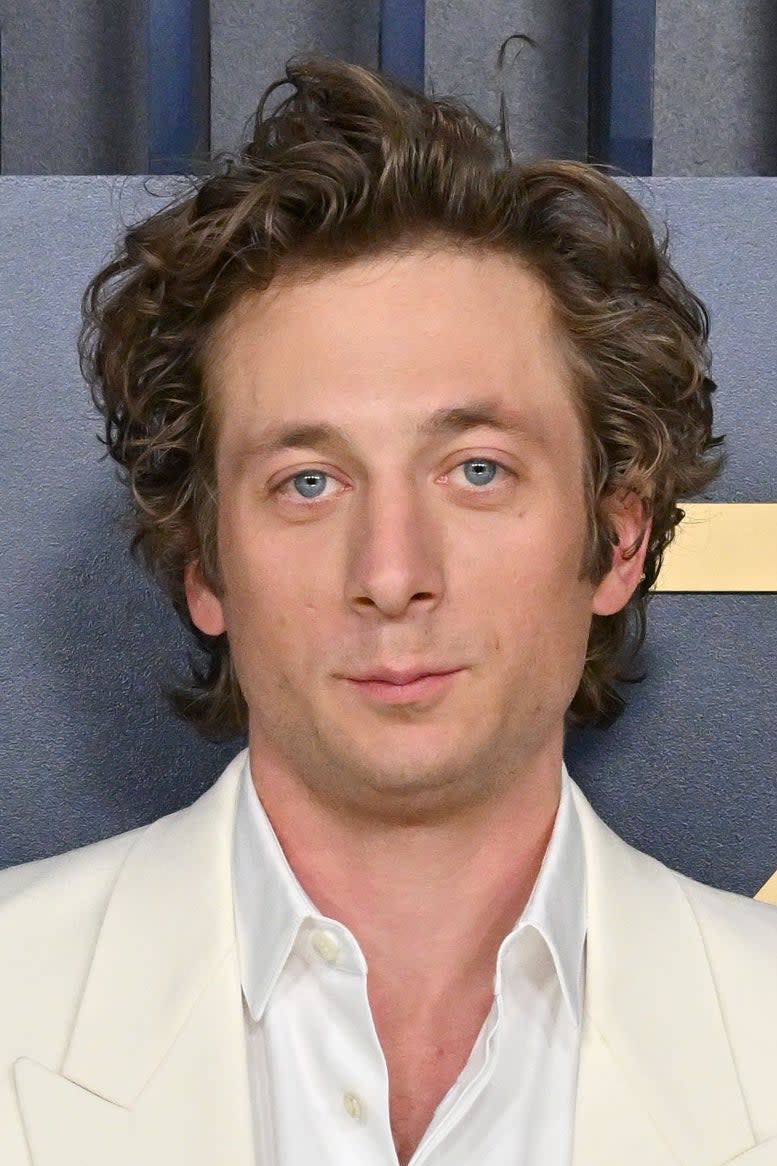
(405, 428)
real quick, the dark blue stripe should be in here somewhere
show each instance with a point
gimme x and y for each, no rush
(621, 75)
(178, 90)
(402, 40)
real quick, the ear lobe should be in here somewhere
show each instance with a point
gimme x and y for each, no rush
(204, 605)
(631, 528)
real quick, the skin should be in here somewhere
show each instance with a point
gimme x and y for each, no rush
(420, 825)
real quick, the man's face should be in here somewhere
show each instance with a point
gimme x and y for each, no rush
(400, 492)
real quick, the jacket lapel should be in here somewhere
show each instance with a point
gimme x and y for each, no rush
(155, 1069)
(657, 1083)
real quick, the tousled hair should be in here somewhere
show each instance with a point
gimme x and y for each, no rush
(352, 165)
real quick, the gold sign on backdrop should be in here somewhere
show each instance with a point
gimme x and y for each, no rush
(768, 892)
(728, 546)
(724, 546)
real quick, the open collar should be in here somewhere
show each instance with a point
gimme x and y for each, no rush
(271, 906)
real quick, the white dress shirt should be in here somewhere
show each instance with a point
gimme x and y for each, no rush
(319, 1081)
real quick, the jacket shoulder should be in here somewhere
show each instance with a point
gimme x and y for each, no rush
(51, 911)
(72, 889)
(732, 921)
(740, 938)
(31, 883)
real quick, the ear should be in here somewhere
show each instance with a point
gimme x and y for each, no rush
(204, 605)
(631, 528)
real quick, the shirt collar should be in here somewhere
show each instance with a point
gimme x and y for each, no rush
(271, 906)
(270, 903)
(557, 905)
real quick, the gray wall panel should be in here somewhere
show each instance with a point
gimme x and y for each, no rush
(715, 94)
(688, 773)
(73, 75)
(545, 87)
(250, 45)
(715, 102)
(86, 746)
(724, 241)
(73, 86)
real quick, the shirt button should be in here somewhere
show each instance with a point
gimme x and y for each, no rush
(326, 945)
(353, 1106)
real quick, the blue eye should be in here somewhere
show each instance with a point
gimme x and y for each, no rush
(479, 471)
(310, 483)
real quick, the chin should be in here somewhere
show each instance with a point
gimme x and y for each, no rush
(418, 742)
(407, 764)
(409, 768)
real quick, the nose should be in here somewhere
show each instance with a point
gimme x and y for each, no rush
(395, 561)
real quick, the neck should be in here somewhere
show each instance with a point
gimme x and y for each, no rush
(428, 904)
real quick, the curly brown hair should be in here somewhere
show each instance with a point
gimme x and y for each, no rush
(354, 164)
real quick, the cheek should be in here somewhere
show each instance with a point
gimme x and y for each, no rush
(534, 600)
(530, 574)
(272, 608)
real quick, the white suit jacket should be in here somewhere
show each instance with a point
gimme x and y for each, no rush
(121, 1018)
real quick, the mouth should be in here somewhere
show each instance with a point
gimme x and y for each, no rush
(388, 686)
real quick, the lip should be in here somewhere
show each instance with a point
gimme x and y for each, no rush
(403, 686)
(401, 675)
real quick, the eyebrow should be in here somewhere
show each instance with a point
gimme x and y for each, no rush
(444, 422)
(460, 418)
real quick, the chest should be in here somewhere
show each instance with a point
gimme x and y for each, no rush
(423, 1065)
(418, 1081)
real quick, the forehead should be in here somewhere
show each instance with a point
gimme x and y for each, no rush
(391, 340)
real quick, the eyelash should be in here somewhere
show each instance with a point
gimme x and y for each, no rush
(300, 501)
